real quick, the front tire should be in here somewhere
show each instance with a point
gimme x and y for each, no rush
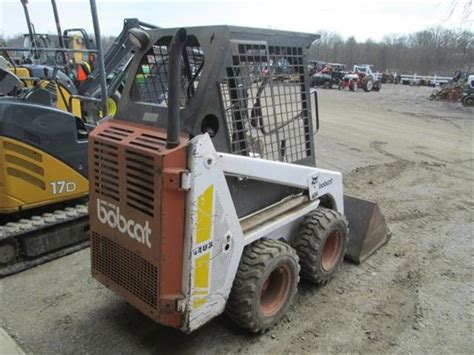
(321, 243)
(265, 285)
(353, 86)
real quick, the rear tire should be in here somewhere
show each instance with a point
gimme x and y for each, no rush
(321, 243)
(368, 85)
(468, 100)
(265, 285)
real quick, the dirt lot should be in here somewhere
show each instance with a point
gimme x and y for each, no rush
(413, 156)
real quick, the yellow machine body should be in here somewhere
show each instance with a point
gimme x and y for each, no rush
(31, 178)
(64, 100)
(78, 43)
(62, 93)
(23, 74)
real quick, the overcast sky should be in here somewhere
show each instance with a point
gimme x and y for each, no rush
(359, 18)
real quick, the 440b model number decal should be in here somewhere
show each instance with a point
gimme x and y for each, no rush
(202, 249)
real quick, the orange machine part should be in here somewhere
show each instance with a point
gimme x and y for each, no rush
(137, 212)
(81, 73)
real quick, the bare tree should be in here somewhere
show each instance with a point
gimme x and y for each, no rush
(435, 50)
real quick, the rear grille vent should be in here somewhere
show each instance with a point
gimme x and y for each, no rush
(149, 141)
(24, 164)
(23, 151)
(35, 169)
(115, 133)
(106, 170)
(26, 177)
(127, 269)
(140, 182)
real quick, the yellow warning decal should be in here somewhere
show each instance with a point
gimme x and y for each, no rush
(201, 276)
(203, 234)
(201, 280)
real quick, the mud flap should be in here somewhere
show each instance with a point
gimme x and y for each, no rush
(368, 230)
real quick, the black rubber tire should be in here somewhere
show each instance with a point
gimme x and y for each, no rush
(327, 84)
(468, 100)
(310, 241)
(368, 85)
(259, 260)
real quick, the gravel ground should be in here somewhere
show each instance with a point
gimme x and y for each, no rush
(413, 156)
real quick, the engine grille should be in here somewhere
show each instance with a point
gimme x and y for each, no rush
(127, 269)
(106, 170)
(140, 182)
(115, 133)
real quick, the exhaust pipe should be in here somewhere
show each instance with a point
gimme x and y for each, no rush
(174, 87)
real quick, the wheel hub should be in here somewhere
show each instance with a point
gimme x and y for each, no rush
(332, 250)
(275, 290)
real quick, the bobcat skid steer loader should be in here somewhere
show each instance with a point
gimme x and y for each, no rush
(204, 193)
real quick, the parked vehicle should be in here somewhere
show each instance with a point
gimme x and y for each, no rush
(367, 77)
(468, 93)
(330, 75)
(177, 228)
(390, 78)
(349, 81)
(315, 66)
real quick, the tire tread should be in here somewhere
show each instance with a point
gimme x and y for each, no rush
(307, 242)
(253, 265)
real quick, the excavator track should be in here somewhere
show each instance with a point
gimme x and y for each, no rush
(29, 242)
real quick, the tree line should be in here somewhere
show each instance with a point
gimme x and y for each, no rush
(433, 51)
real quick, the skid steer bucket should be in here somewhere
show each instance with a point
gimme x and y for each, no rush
(368, 230)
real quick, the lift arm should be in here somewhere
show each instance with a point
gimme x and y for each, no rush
(317, 182)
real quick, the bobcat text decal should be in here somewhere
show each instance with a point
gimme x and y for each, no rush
(109, 214)
(325, 183)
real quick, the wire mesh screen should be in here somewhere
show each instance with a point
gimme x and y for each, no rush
(151, 80)
(265, 102)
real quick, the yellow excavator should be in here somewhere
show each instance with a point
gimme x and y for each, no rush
(43, 156)
(46, 114)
